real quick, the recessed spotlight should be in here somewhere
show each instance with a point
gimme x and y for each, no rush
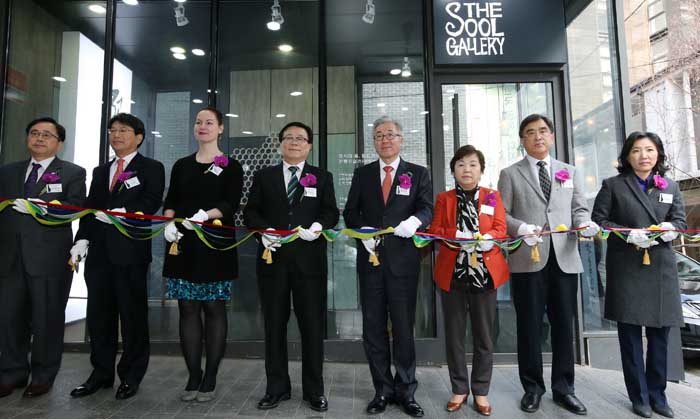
(180, 56)
(197, 101)
(180, 1)
(285, 48)
(404, 109)
(59, 78)
(273, 26)
(381, 105)
(424, 112)
(296, 93)
(247, 132)
(131, 2)
(232, 115)
(177, 50)
(413, 131)
(155, 132)
(96, 8)
(395, 71)
(198, 52)
(280, 115)
(132, 102)
(159, 136)
(370, 125)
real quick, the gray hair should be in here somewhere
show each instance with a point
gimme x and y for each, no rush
(386, 120)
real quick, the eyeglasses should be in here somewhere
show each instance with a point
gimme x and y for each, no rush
(298, 139)
(122, 131)
(390, 136)
(533, 133)
(45, 135)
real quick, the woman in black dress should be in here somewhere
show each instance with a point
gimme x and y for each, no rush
(204, 187)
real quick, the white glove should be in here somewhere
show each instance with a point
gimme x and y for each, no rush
(483, 245)
(530, 229)
(200, 217)
(104, 218)
(668, 236)
(171, 233)
(312, 233)
(641, 239)
(20, 205)
(407, 228)
(591, 229)
(370, 244)
(79, 251)
(464, 234)
(270, 241)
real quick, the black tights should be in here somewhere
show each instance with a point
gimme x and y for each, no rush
(191, 328)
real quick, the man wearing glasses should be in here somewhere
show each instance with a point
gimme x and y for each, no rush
(117, 267)
(390, 192)
(293, 195)
(34, 277)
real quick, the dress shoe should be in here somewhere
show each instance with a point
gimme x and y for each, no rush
(453, 407)
(126, 391)
(482, 409)
(188, 395)
(377, 405)
(530, 402)
(317, 403)
(571, 403)
(205, 396)
(412, 408)
(642, 410)
(270, 401)
(36, 390)
(7, 389)
(91, 386)
(664, 411)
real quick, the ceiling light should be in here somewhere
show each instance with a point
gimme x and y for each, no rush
(180, 18)
(180, 1)
(132, 102)
(370, 125)
(159, 136)
(198, 52)
(247, 132)
(368, 17)
(404, 109)
(96, 8)
(180, 56)
(381, 105)
(276, 20)
(177, 50)
(232, 115)
(280, 115)
(285, 48)
(413, 131)
(406, 69)
(197, 101)
(424, 112)
(395, 71)
(296, 93)
(450, 91)
(59, 78)
(155, 132)
(131, 2)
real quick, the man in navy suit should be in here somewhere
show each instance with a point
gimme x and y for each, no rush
(283, 197)
(390, 192)
(117, 269)
(34, 277)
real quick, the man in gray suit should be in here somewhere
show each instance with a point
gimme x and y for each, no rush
(34, 275)
(541, 193)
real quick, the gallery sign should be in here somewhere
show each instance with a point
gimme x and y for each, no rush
(499, 32)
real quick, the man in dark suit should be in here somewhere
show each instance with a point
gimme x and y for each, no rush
(390, 192)
(34, 277)
(283, 197)
(117, 269)
(541, 193)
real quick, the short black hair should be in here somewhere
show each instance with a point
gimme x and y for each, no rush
(467, 150)
(301, 125)
(624, 166)
(532, 118)
(60, 130)
(130, 120)
(216, 112)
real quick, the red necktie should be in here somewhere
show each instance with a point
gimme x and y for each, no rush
(120, 170)
(386, 185)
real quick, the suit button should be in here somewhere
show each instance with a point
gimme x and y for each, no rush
(488, 258)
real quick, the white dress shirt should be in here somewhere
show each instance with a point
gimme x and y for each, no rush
(113, 167)
(288, 174)
(535, 169)
(382, 165)
(44, 165)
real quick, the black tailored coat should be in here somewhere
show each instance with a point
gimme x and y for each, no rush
(106, 242)
(47, 247)
(645, 295)
(365, 207)
(268, 207)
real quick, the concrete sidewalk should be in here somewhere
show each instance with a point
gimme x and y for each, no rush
(241, 383)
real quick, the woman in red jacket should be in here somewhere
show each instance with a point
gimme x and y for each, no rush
(469, 275)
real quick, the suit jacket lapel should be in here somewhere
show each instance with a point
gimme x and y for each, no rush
(55, 166)
(526, 171)
(631, 181)
(278, 183)
(376, 181)
(21, 178)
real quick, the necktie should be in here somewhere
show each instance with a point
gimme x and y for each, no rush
(292, 185)
(386, 184)
(545, 182)
(120, 170)
(31, 180)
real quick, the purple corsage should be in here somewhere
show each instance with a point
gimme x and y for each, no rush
(49, 178)
(308, 180)
(660, 183)
(490, 199)
(123, 178)
(562, 175)
(220, 162)
(405, 181)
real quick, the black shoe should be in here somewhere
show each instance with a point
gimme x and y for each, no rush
(642, 410)
(36, 390)
(377, 405)
(664, 411)
(91, 386)
(126, 391)
(530, 402)
(270, 401)
(7, 389)
(412, 408)
(317, 403)
(571, 403)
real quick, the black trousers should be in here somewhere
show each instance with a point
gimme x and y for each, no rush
(457, 305)
(385, 296)
(32, 319)
(644, 386)
(309, 295)
(117, 294)
(553, 291)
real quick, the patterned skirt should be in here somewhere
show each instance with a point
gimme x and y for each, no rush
(181, 289)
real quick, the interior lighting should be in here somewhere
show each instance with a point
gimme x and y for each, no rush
(96, 8)
(232, 115)
(276, 19)
(180, 56)
(59, 78)
(198, 52)
(296, 93)
(197, 101)
(180, 18)
(395, 71)
(131, 2)
(280, 115)
(177, 50)
(247, 132)
(406, 69)
(368, 17)
(285, 48)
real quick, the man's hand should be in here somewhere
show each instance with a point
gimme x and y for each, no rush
(640, 239)
(668, 236)
(104, 218)
(407, 228)
(312, 233)
(591, 229)
(20, 205)
(531, 232)
(79, 251)
(484, 245)
(270, 241)
(199, 217)
(171, 233)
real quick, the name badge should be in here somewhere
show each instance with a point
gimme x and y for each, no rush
(402, 191)
(132, 182)
(568, 184)
(310, 192)
(487, 209)
(215, 169)
(54, 188)
(666, 198)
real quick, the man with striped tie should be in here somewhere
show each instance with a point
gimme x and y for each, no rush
(291, 195)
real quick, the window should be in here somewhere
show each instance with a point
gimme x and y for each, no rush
(659, 54)
(657, 17)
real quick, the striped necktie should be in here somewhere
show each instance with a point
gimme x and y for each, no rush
(292, 185)
(545, 182)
